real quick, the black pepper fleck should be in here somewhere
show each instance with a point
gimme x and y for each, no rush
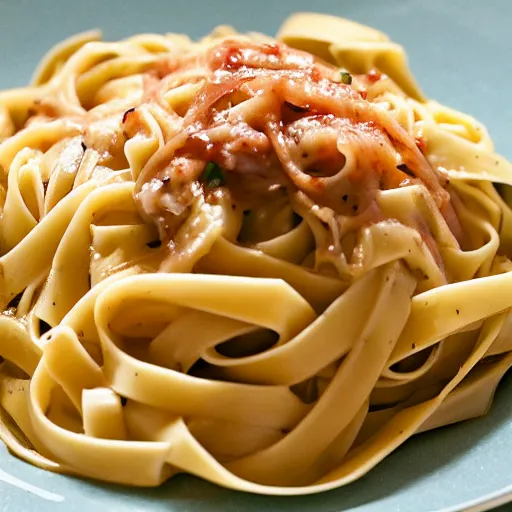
(84, 147)
(457, 311)
(345, 198)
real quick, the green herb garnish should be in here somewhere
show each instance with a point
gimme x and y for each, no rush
(212, 175)
(346, 78)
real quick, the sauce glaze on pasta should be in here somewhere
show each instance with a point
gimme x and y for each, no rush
(264, 262)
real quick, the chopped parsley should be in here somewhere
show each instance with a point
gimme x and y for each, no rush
(346, 78)
(212, 175)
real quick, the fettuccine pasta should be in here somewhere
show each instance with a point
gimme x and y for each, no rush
(265, 262)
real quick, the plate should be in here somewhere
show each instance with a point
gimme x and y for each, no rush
(458, 52)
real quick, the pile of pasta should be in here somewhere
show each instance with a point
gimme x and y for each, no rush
(276, 318)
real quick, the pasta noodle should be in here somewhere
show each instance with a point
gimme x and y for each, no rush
(265, 262)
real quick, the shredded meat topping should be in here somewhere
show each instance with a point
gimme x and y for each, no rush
(270, 117)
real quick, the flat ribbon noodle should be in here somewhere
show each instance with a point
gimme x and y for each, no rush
(265, 262)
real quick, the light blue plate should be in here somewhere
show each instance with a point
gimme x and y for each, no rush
(460, 52)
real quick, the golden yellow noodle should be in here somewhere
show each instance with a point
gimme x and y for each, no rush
(234, 259)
